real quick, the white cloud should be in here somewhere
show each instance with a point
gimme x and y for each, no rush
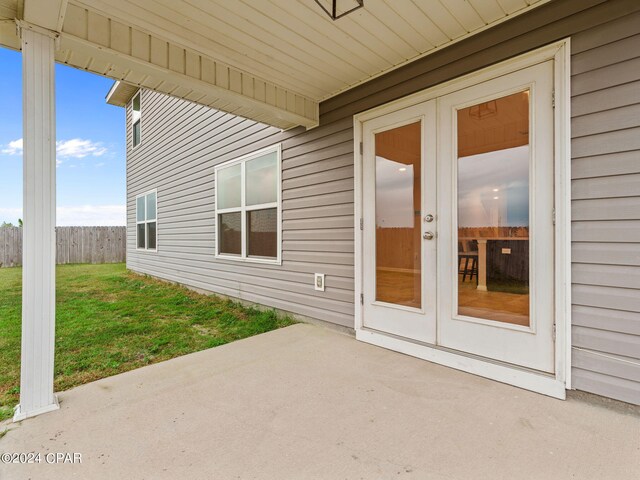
(77, 216)
(91, 215)
(13, 148)
(101, 164)
(79, 148)
(74, 148)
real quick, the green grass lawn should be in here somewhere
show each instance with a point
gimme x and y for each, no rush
(109, 320)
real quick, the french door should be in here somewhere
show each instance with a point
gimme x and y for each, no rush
(458, 232)
(399, 189)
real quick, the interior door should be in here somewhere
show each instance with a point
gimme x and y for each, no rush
(495, 244)
(399, 202)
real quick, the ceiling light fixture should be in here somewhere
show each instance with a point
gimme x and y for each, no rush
(336, 11)
(402, 169)
(483, 110)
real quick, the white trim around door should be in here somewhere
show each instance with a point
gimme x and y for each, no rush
(551, 376)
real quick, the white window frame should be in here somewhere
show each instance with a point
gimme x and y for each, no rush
(136, 117)
(243, 208)
(145, 222)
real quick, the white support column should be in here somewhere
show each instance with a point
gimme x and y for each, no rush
(39, 204)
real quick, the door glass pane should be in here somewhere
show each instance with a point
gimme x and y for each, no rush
(229, 190)
(262, 182)
(263, 233)
(230, 234)
(151, 206)
(493, 210)
(398, 227)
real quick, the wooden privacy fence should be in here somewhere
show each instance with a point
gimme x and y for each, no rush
(73, 245)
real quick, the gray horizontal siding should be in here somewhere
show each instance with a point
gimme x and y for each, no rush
(609, 231)
(181, 145)
(622, 321)
(605, 128)
(609, 383)
(619, 163)
(607, 99)
(182, 142)
(625, 208)
(613, 298)
(608, 253)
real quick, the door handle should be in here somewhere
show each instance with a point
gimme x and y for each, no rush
(428, 235)
(428, 218)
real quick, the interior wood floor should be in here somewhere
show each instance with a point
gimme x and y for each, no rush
(403, 288)
(499, 306)
(398, 287)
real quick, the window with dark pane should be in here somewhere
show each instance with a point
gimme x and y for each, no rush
(262, 227)
(136, 133)
(230, 234)
(151, 235)
(141, 236)
(146, 221)
(248, 206)
(136, 115)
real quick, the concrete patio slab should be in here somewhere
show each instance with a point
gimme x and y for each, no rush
(306, 402)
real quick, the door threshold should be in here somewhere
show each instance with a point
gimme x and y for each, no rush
(509, 374)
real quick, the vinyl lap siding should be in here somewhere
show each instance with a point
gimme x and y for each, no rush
(605, 83)
(181, 143)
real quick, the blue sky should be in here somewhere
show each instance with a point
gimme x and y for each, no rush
(90, 147)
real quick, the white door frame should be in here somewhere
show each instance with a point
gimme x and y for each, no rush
(552, 385)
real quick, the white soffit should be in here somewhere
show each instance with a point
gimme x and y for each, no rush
(296, 45)
(272, 61)
(100, 44)
(94, 42)
(120, 93)
(46, 14)
(8, 12)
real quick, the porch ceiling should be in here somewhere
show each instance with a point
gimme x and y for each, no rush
(269, 60)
